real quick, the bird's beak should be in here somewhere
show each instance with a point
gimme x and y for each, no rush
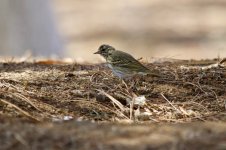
(98, 52)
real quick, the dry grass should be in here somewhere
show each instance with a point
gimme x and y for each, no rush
(45, 92)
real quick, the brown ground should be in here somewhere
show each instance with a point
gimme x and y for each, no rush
(71, 106)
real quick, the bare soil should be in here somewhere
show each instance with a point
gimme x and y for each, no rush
(52, 105)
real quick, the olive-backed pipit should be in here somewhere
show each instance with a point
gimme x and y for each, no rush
(122, 64)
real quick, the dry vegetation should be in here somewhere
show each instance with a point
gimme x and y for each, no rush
(43, 95)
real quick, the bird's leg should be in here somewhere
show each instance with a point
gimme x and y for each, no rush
(133, 84)
(134, 80)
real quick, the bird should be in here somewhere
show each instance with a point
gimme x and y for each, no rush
(122, 64)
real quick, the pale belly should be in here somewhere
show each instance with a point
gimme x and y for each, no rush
(116, 71)
(125, 73)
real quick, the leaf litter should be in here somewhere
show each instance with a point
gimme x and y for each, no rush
(46, 92)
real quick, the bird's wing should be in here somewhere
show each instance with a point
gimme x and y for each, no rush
(125, 60)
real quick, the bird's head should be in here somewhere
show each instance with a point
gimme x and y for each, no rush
(105, 50)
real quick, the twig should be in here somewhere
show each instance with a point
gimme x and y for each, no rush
(131, 108)
(222, 61)
(19, 109)
(170, 103)
(198, 86)
(22, 97)
(121, 107)
(125, 84)
(95, 104)
(217, 65)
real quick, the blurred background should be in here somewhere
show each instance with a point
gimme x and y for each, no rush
(178, 29)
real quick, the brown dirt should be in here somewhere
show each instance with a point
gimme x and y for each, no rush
(67, 106)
